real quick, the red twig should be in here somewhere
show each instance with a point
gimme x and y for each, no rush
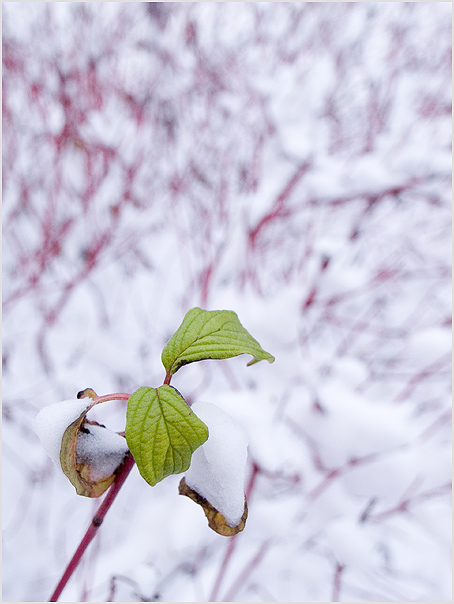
(233, 541)
(405, 503)
(429, 371)
(94, 526)
(337, 583)
(246, 572)
(221, 573)
(278, 209)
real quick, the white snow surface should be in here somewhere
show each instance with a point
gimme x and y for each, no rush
(52, 421)
(102, 449)
(218, 467)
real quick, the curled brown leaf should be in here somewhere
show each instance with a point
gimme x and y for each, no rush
(80, 472)
(216, 520)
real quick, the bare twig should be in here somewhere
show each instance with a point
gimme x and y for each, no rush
(98, 519)
(233, 541)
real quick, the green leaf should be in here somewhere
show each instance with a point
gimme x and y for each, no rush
(162, 432)
(210, 334)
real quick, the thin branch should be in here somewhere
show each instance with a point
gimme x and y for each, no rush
(337, 583)
(247, 571)
(233, 540)
(98, 519)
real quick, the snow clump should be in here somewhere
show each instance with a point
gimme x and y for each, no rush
(102, 449)
(218, 467)
(52, 421)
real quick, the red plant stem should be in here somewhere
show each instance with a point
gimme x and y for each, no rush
(98, 519)
(228, 555)
(233, 540)
(337, 583)
(118, 396)
(246, 572)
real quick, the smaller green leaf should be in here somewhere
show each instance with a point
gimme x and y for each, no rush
(162, 432)
(210, 334)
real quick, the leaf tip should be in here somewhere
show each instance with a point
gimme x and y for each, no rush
(268, 357)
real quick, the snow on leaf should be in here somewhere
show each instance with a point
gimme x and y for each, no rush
(52, 421)
(216, 520)
(162, 432)
(102, 450)
(87, 453)
(218, 468)
(215, 334)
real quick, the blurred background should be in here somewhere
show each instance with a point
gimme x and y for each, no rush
(290, 162)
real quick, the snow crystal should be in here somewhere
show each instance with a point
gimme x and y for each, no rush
(102, 449)
(217, 470)
(52, 421)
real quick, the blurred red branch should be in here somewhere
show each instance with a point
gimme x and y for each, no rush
(278, 209)
(233, 540)
(245, 574)
(337, 583)
(420, 376)
(405, 504)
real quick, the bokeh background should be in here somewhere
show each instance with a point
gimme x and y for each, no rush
(290, 162)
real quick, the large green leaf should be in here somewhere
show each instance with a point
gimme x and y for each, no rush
(210, 334)
(162, 432)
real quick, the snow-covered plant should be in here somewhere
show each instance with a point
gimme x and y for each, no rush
(163, 434)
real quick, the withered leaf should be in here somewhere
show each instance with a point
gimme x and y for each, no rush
(80, 472)
(216, 520)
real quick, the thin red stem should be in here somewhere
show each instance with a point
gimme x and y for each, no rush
(228, 555)
(245, 574)
(337, 583)
(94, 526)
(233, 540)
(119, 396)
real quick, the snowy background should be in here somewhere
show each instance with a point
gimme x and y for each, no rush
(290, 162)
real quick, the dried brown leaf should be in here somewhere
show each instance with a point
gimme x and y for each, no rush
(216, 520)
